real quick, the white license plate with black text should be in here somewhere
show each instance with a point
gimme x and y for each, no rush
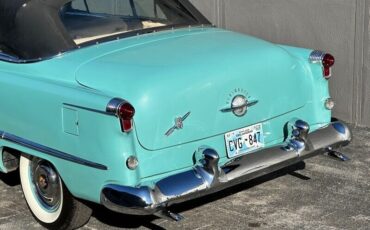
(243, 141)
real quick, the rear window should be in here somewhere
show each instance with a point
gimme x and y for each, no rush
(89, 20)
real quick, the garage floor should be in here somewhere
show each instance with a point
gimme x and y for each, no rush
(328, 194)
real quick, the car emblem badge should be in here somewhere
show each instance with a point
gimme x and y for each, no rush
(239, 105)
(179, 124)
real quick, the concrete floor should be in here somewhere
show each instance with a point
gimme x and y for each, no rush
(328, 194)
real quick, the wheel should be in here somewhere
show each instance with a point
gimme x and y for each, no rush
(49, 200)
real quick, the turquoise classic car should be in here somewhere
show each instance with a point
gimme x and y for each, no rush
(141, 104)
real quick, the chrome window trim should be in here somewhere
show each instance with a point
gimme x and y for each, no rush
(13, 59)
(50, 151)
(9, 58)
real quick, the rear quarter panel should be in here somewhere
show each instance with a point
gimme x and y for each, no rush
(34, 107)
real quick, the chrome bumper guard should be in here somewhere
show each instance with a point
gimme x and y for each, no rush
(207, 176)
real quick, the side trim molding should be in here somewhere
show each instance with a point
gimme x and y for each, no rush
(49, 151)
(89, 109)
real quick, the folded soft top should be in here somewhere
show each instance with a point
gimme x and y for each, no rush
(32, 29)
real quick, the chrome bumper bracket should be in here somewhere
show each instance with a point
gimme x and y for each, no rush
(168, 215)
(337, 155)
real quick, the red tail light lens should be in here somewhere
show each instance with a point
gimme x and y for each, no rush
(122, 109)
(328, 61)
(126, 113)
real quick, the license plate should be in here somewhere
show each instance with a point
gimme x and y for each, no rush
(243, 141)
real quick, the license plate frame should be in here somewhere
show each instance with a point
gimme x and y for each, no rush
(244, 141)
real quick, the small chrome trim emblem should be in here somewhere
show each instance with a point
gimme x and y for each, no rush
(179, 124)
(239, 105)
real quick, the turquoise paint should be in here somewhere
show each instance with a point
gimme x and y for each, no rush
(70, 121)
(223, 65)
(163, 75)
(2, 167)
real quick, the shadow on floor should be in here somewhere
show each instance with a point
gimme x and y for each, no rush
(10, 179)
(125, 221)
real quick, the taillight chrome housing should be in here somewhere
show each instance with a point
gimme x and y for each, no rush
(124, 111)
(325, 59)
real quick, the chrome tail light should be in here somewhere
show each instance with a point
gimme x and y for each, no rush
(124, 111)
(325, 59)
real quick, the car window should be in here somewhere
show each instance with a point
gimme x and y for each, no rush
(89, 20)
(112, 7)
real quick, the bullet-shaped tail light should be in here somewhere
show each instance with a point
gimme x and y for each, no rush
(126, 114)
(326, 60)
(124, 111)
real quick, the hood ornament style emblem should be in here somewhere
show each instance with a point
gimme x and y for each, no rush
(179, 124)
(239, 105)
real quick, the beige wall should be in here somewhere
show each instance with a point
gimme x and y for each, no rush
(337, 26)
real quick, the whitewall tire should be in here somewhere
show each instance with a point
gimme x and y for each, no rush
(47, 197)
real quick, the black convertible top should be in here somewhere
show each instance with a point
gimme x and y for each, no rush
(33, 29)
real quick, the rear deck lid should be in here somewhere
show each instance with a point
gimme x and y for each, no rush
(196, 76)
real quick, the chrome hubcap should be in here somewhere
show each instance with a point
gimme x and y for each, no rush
(47, 184)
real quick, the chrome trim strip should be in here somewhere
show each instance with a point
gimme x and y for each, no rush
(86, 14)
(247, 104)
(13, 59)
(207, 176)
(8, 57)
(88, 109)
(49, 151)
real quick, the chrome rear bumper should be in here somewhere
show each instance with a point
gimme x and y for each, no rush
(207, 177)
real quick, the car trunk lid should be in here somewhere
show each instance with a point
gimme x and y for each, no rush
(195, 76)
